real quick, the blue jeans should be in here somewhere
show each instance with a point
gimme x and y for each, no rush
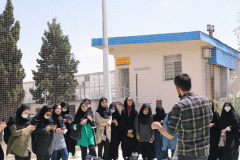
(158, 144)
(192, 158)
(63, 152)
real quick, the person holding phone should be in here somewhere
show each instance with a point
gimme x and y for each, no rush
(229, 127)
(59, 144)
(128, 134)
(144, 132)
(83, 121)
(103, 133)
(67, 120)
(20, 141)
(44, 133)
(115, 136)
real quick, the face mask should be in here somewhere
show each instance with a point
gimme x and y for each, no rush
(145, 113)
(24, 115)
(112, 110)
(89, 106)
(64, 109)
(46, 117)
(227, 108)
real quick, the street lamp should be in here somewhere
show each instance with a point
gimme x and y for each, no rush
(234, 77)
(45, 93)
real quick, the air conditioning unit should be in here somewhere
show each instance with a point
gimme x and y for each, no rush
(207, 53)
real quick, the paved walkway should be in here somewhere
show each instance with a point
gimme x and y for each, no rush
(78, 153)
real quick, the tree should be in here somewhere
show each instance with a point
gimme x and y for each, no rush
(11, 70)
(56, 68)
(237, 33)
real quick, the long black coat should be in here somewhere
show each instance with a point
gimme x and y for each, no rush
(115, 135)
(214, 137)
(42, 141)
(129, 145)
(230, 119)
(127, 122)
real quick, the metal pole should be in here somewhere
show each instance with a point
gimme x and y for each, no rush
(45, 97)
(106, 73)
(233, 95)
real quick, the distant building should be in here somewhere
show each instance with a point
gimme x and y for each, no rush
(90, 86)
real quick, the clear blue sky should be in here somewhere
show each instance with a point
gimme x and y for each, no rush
(82, 21)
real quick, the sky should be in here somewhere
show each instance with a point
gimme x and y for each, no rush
(81, 20)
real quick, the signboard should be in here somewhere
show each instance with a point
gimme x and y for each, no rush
(123, 61)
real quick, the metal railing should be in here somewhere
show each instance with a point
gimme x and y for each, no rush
(119, 94)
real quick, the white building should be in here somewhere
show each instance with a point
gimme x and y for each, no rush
(90, 86)
(146, 65)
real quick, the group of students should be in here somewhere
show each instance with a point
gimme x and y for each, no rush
(130, 128)
(49, 133)
(46, 134)
(226, 125)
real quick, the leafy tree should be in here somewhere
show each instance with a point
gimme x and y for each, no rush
(11, 70)
(56, 68)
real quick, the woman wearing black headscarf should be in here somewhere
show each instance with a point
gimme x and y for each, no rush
(88, 101)
(145, 134)
(159, 117)
(214, 134)
(128, 134)
(83, 121)
(103, 133)
(115, 136)
(228, 126)
(20, 141)
(2, 127)
(44, 133)
(59, 144)
(67, 120)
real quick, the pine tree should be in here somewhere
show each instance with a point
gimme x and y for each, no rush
(56, 68)
(11, 70)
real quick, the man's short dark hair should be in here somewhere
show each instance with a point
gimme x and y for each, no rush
(183, 81)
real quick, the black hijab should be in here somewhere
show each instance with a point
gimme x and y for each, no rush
(211, 105)
(104, 112)
(80, 115)
(116, 114)
(144, 119)
(57, 118)
(227, 117)
(90, 112)
(160, 114)
(17, 117)
(126, 107)
(39, 117)
(63, 104)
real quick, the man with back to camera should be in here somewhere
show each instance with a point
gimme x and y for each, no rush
(190, 117)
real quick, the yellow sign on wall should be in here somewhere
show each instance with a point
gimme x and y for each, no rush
(123, 61)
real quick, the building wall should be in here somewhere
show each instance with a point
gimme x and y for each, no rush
(147, 61)
(28, 96)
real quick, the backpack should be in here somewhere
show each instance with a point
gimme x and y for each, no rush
(7, 132)
(6, 135)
